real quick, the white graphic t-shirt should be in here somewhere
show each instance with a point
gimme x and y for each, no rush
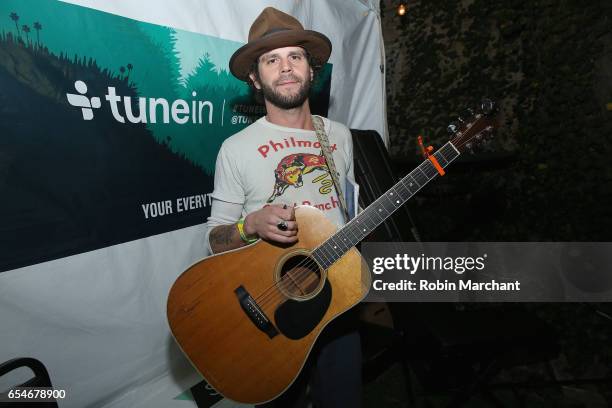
(270, 164)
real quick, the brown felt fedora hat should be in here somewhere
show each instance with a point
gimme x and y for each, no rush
(275, 29)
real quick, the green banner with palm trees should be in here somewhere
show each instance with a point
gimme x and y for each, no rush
(109, 127)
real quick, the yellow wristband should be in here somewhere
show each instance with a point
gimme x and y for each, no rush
(243, 235)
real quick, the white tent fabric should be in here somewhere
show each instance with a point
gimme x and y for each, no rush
(98, 319)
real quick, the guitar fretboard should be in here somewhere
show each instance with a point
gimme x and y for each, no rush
(359, 227)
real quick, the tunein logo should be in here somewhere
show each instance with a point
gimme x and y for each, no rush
(86, 104)
(148, 110)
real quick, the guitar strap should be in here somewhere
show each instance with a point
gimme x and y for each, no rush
(322, 136)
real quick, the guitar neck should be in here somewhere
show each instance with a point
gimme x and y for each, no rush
(376, 213)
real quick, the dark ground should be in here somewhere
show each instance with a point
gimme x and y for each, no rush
(491, 355)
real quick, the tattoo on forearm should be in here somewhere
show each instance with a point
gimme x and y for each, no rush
(222, 234)
(224, 237)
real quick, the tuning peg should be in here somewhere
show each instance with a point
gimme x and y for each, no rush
(488, 133)
(467, 115)
(487, 106)
(453, 128)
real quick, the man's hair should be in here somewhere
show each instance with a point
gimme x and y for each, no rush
(313, 62)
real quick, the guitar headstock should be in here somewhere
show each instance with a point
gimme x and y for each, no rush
(473, 126)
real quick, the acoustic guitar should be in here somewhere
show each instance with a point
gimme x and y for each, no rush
(248, 318)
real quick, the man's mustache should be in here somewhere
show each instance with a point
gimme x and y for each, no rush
(289, 78)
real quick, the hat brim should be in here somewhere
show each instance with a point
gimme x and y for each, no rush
(315, 43)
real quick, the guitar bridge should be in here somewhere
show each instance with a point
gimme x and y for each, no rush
(254, 312)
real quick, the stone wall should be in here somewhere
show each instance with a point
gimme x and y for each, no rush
(548, 63)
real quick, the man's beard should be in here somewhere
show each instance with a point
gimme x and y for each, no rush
(290, 101)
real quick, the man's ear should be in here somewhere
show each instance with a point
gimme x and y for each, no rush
(254, 79)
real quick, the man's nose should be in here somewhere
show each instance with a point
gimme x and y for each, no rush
(286, 65)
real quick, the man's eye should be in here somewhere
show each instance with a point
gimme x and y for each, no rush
(296, 57)
(271, 61)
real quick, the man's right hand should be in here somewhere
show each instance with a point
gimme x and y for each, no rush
(265, 223)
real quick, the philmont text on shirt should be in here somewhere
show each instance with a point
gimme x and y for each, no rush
(291, 142)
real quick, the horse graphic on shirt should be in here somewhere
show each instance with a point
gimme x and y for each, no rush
(291, 168)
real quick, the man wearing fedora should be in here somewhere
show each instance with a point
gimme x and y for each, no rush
(266, 169)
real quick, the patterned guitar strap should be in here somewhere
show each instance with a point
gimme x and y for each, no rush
(322, 136)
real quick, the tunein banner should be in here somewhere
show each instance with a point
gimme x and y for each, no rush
(490, 271)
(109, 127)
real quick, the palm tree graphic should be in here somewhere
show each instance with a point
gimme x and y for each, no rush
(129, 67)
(122, 70)
(15, 18)
(37, 27)
(26, 30)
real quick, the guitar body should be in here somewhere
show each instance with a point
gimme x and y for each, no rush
(242, 361)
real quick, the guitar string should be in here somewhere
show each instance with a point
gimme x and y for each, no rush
(301, 276)
(268, 294)
(430, 175)
(309, 265)
(401, 185)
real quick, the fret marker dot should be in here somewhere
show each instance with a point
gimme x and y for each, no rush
(397, 201)
(364, 229)
(410, 183)
(380, 209)
(390, 193)
(335, 247)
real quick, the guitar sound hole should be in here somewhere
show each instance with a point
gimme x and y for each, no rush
(300, 277)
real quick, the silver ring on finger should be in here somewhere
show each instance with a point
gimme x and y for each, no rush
(282, 225)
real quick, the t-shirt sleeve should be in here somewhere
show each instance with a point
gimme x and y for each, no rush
(228, 180)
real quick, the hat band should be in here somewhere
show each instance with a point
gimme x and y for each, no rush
(275, 30)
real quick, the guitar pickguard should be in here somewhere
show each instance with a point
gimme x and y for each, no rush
(296, 319)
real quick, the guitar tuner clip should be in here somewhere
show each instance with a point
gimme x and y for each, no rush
(426, 151)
